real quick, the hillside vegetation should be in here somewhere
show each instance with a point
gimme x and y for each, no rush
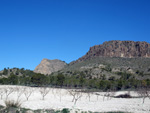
(107, 66)
(75, 79)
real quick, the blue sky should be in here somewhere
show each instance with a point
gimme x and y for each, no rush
(31, 30)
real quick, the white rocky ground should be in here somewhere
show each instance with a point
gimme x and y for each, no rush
(62, 98)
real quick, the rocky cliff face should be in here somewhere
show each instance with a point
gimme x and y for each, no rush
(48, 66)
(126, 49)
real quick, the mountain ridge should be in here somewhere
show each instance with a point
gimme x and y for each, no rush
(124, 53)
(117, 48)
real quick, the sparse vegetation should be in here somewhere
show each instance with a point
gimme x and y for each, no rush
(12, 103)
(76, 96)
(44, 91)
(27, 92)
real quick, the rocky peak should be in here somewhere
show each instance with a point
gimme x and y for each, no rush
(116, 48)
(48, 66)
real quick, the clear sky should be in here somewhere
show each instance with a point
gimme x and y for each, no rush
(31, 30)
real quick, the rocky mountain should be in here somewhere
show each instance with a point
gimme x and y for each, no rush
(108, 59)
(124, 49)
(48, 66)
(112, 58)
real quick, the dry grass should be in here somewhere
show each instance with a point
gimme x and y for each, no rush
(12, 103)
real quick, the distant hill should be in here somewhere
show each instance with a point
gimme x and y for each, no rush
(15, 71)
(48, 66)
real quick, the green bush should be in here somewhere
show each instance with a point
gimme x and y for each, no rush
(65, 110)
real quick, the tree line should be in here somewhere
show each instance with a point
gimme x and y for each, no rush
(75, 81)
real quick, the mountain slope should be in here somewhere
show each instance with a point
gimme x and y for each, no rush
(108, 67)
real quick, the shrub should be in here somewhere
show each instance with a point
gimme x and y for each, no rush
(12, 103)
(123, 96)
(65, 110)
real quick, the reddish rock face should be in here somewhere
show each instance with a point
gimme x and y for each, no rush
(128, 49)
